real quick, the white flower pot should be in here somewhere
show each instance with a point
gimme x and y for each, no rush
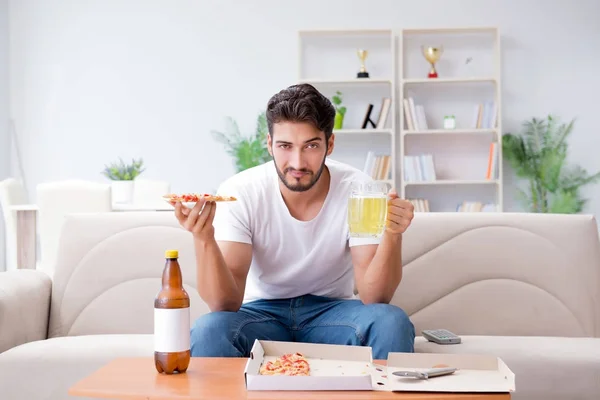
(122, 191)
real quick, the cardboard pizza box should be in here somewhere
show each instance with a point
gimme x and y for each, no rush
(476, 373)
(332, 367)
(342, 367)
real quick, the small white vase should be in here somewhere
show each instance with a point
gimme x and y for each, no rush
(122, 191)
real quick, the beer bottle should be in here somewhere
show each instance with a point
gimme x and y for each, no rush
(172, 320)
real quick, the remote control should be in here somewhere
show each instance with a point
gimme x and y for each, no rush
(441, 336)
(430, 373)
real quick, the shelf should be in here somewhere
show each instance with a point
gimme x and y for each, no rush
(449, 132)
(346, 32)
(468, 88)
(329, 60)
(434, 81)
(355, 81)
(474, 29)
(454, 182)
(362, 131)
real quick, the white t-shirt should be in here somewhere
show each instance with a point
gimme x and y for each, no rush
(291, 257)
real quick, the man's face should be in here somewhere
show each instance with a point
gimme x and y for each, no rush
(299, 152)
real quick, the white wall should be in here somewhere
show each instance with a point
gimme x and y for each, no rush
(93, 80)
(4, 101)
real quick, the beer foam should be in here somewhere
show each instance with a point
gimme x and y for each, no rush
(369, 196)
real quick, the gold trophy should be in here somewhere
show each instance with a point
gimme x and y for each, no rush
(432, 55)
(362, 55)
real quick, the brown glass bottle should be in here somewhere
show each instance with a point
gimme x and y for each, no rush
(172, 320)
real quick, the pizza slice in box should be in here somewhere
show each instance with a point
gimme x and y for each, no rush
(292, 364)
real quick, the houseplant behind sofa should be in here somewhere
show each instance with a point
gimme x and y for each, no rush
(122, 176)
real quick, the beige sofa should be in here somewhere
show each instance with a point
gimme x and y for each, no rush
(525, 287)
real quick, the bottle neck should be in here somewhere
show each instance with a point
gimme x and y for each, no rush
(172, 274)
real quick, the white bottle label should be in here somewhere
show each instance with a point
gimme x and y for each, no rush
(171, 329)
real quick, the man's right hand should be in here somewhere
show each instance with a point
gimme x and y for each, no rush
(197, 220)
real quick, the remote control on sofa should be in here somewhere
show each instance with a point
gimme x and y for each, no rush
(441, 336)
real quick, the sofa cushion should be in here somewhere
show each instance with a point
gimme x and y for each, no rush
(24, 306)
(545, 367)
(530, 269)
(502, 274)
(56, 364)
(109, 270)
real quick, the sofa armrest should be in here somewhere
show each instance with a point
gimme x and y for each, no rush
(24, 307)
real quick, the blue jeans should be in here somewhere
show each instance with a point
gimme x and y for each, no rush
(384, 327)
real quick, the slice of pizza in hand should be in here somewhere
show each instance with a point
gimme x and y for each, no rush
(292, 364)
(195, 197)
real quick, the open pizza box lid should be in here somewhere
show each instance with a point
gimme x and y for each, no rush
(476, 373)
(341, 367)
(332, 367)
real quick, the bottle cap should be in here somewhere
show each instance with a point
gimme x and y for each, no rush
(171, 254)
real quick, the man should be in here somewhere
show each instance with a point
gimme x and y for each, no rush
(278, 263)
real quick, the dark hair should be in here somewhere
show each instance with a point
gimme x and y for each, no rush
(301, 103)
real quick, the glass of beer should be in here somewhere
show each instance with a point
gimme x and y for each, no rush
(367, 209)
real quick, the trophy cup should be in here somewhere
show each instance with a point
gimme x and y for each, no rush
(432, 55)
(362, 55)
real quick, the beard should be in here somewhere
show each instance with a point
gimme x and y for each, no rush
(295, 184)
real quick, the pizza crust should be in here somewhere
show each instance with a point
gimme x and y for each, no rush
(292, 364)
(220, 198)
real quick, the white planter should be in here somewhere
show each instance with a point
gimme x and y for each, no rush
(122, 191)
(449, 122)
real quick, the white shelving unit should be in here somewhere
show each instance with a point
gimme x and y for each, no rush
(468, 76)
(328, 60)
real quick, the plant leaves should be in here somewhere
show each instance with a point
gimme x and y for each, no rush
(120, 171)
(539, 154)
(566, 202)
(247, 150)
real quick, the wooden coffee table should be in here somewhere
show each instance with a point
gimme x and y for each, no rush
(217, 378)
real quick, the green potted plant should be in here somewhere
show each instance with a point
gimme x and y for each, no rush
(340, 110)
(539, 155)
(122, 176)
(247, 150)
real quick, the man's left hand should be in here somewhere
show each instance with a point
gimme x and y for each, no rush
(400, 213)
